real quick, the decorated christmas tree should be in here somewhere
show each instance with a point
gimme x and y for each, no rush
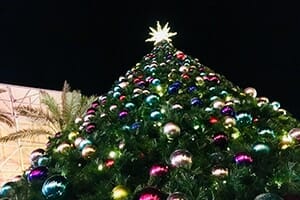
(169, 129)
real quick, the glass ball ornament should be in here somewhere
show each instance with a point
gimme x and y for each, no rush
(262, 101)
(244, 119)
(181, 158)
(43, 161)
(243, 158)
(83, 143)
(171, 130)
(177, 196)
(36, 153)
(159, 170)
(250, 91)
(87, 151)
(55, 187)
(123, 114)
(155, 115)
(229, 122)
(228, 111)
(90, 127)
(150, 193)
(268, 196)
(218, 104)
(120, 192)
(195, 101)
(295, 134)
(220, 140)
(73, 135)
(152, 99)
(7, 190)
(219, 171)
(37, 174)
(261, 148)
(63, 147)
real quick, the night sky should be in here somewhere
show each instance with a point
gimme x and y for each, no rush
(90, 43)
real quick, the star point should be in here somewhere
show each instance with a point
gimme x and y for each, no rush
(160, 34)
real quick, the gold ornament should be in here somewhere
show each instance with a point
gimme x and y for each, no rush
(72, 135)
(120, 192)
(250, 91)
(87, 151)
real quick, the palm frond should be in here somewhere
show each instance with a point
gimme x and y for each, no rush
(25, 133)
(36, 114)
(6, 120)
(52, 106)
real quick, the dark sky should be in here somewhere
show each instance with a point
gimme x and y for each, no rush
(90, 43)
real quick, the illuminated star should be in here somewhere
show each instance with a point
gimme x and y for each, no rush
(160, 34)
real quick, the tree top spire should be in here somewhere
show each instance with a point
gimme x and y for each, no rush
(160, 34)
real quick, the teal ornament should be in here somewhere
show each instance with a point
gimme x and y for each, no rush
(84, 143)
(7, 190)
(261, 148)
(156, 115)
(55, 187)
(275, 105)
(152, 99)
(43, 161)
(243, 119)
(129, 106)
(155, 82)
(268, 196)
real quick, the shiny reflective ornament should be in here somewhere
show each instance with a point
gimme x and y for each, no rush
(150, 194)
(36, 154)
(219, 171)
(171, 130)
(243, 158)
(295, 134)
(244, 119)
(55, 187)
(195, 101)
(78, 141)
(228, 111)
(73, 135)
(156, 115)
(123, 114)
(262, 101)
(7, 190)
(129, 106)
(250, 91)
(83, 143)
(152, 100)
(268, 196)
(220, 140)
(63, 147)
(43, 161)
(120, 192)
(192, 89)
(218, 104)
(177, 196)
(159, 170)
(113, 108)
(199, 81)
(181, 158)
(37, 174)
(275, 105)
(229, 122)
(90, 127)
(261, 148)
(87, 151)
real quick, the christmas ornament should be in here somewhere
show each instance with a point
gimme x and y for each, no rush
(63, 147)
(295, 134)
(159, 170)
(43, 161)
(261, 148)
(150, 194)
(243, 158)
(219, 171)
(171, 130)
(120, 192)
(7, 190)
(250, 91)
(54, 187)
(268, 196)
(243, 119)
(177, 196)
(87, 151)
(228, 111)
(181, 158)
(220, 140)
(37, 174)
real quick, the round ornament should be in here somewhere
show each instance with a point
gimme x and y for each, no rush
(37, 174)
(7, 190)
(55, 187)
(159, 170)
(220, 140)
(228, 111)
(120, 192)
(243, 158)
(268, 196)
(295, 133)
(43, 161)
(181, 158)
(150, 194)
(87, 151)
(250, 91)
(177, 196)
(171, 130)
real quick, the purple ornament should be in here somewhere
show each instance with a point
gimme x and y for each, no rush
(243, 158)
(150, 194)
(220, 139)
(123, 114)
(37, 174)
(159, 170)
(228, 111)
(58, 135)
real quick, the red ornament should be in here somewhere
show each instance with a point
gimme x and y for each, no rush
(213, 120)
(109, 163)
(180, 55)
(122, 98)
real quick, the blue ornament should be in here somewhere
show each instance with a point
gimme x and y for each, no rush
(135, 126)
(192, 89)
(155, 115)
(195, 101)
(155, 82)
(54, 187)
(173, 89)
(37, 174)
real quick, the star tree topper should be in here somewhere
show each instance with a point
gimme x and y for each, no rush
(160, 34)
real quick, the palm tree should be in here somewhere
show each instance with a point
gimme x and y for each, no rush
(55, 116)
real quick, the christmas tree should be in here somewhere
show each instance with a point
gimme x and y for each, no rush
(169, 129)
